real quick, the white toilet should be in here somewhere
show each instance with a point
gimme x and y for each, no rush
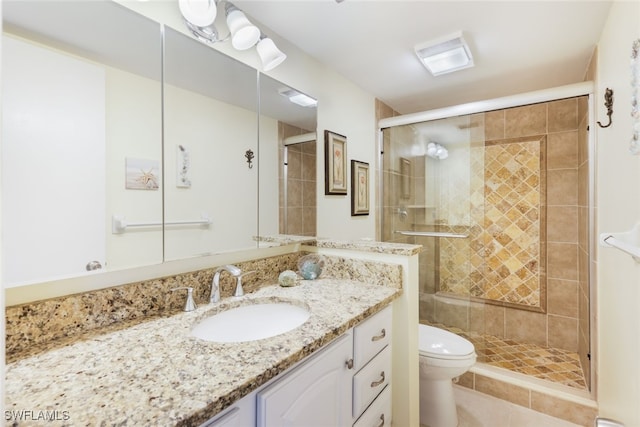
(443, 356)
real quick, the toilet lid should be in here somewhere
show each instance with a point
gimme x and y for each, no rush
(438, 343)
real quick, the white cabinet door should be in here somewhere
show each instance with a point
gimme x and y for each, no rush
(316, 393)
(241, 414)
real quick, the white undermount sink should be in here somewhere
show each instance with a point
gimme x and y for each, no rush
(251, 322)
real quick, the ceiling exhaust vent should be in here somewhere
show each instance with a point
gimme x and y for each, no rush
(445, 54)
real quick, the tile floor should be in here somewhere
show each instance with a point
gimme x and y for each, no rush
(477, 409)
(552, 364)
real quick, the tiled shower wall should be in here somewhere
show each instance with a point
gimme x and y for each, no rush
(301, 184)
(559, 121)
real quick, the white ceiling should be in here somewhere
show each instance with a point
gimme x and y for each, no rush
(518, 46)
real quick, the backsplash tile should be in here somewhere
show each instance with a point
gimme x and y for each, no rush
(33, 326)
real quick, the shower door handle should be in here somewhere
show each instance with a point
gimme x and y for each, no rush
(432, 234)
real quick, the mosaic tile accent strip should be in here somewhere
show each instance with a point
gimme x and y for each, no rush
(503, 259)
(512, 231)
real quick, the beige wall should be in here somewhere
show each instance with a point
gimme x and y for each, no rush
(618, 209)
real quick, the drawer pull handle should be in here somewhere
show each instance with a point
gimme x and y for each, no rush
(381, 421)
(349, 364)
(379, 337)
(380, 381)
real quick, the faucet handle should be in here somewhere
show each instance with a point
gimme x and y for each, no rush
(190, 304)
(239, 291)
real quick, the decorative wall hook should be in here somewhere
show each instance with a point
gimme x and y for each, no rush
(608, 103)
(249, 155)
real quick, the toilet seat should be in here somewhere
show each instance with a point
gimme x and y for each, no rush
(437, 343)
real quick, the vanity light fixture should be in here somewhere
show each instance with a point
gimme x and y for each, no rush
(199, 16)
(208, 34)
(437, 151)
(200, 13)
(269, 53)
(298, 97)
(243, 33)
(445, 55)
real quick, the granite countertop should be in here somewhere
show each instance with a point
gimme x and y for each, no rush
(363, 245)
(155, 373)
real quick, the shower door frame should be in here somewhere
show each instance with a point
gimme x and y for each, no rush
(586, 88)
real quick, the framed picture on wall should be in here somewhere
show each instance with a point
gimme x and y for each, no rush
(141, 174)
(359, 188)
(335, 163)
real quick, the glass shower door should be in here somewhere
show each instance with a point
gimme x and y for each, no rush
(504, 219)
(433, 196)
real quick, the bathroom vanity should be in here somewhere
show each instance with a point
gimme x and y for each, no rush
(155, 373)
(345, 383)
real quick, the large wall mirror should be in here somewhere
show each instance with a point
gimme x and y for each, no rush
(288, 178)
(113, 158)
(210, 122)
(82, 121)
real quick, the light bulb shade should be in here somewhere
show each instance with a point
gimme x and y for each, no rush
(243, 33)
(436, 151)
(200, 13)
(269, 54)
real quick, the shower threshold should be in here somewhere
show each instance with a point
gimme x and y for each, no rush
(546, 363)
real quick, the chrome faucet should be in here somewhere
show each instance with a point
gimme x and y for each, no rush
(189, 304)
(239, 291)
(215, 283)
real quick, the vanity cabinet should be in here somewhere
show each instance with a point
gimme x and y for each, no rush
(241, 414)
(345, 383)
(316, 393)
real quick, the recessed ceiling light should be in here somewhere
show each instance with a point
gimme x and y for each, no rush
(298, 98)
(445, 55)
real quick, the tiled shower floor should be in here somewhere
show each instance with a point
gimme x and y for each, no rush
(551, 364)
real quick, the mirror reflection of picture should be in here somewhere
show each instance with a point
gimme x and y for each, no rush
(359, 188)
(405, 177)
(335, 156)
(141, 174)
(182, 167)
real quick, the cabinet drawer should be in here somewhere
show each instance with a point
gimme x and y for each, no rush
(371, 380)
(370, 337)
(379, 413)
